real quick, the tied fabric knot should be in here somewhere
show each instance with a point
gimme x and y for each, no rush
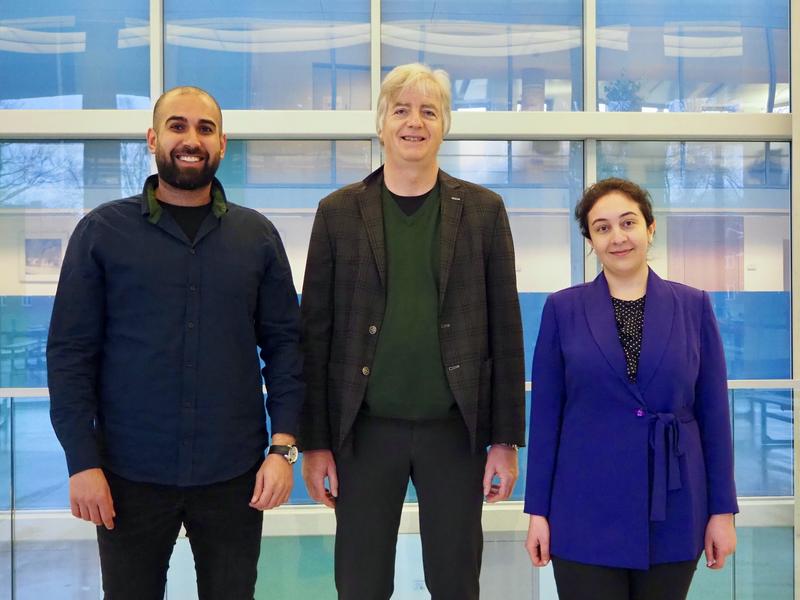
(665, 440)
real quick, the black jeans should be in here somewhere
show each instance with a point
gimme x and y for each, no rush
(224, 533)
(373, 477)
(580, 581)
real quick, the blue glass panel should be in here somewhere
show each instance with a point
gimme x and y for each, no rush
(756, 333)
(764, 563)
(41, 480)
(75, 54)
(693, 55)
(70, 174)
(5, 472)
(763, 442)
(24, 321)
(280, 55)
(500, 55)
(293, 174)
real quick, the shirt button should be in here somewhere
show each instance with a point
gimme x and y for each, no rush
(192, 288)
(189, 365)
(373, 330)
(639, 412)
(192, 251)
(190, 325)
(365, 370)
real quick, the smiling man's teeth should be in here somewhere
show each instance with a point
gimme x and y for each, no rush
(189, 158)
(412, 139)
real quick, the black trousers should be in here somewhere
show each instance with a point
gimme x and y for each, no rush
(580, 581)
(373, 477)
(224, 533)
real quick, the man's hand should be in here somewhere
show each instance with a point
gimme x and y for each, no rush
(90, 498)
(317, 465)
(720, 540)
(275, 478)
(538, 542)
(501, 462)
(273, 483)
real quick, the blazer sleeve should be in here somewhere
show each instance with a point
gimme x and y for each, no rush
(547, 407)
(316, 309)
(505, 335)
(713, 416)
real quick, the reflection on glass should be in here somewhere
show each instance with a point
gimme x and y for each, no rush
(74, 54)
(764, 563)
(722, 216)
(5, 497)
(40, 469)
(279, 55)
(509, 56)
(24, 321)
(662, 56)
(763, 442)
(291, 174)
(70, 174)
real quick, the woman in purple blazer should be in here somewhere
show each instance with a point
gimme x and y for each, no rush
(630, 460)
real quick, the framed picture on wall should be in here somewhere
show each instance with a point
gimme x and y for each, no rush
(41, 255)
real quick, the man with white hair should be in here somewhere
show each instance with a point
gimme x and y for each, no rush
(413, 353)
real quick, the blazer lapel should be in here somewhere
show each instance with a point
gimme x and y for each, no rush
(659, 312)
(603, 326)
(451, 205)
(369, 203)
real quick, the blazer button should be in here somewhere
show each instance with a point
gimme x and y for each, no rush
(373, 330)
(639, 412)
(365, 370)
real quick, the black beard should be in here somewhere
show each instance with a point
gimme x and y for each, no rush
(185, 179)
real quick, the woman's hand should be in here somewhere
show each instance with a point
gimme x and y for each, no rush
(538, 542)
(720, 540)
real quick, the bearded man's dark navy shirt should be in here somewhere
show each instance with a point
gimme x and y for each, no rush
(152, 356)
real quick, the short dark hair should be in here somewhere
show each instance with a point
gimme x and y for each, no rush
(181, 90)
(613, 184)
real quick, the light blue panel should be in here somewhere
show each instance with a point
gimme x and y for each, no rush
(58, 54)
(272, 55)
(693, 56)
(763, 442)
(500, 55)
(293, 174)
(756, 333)
(73, 174)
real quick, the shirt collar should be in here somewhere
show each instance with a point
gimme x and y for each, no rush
(151, 207)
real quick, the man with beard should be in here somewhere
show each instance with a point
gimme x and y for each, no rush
(156, 394)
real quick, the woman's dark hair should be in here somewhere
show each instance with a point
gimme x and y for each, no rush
(613, 184)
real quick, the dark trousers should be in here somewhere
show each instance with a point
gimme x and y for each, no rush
(373, 476)
(224, 533)
(580, 581)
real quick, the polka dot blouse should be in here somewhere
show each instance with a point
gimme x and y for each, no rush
(629, 315)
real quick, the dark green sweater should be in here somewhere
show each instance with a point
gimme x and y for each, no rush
(408, 379)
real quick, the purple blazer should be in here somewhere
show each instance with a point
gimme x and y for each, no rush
(628, 473)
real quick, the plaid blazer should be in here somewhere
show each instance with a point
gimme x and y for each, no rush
(344, 300)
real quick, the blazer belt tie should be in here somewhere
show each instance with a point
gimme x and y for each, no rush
(665, 440)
